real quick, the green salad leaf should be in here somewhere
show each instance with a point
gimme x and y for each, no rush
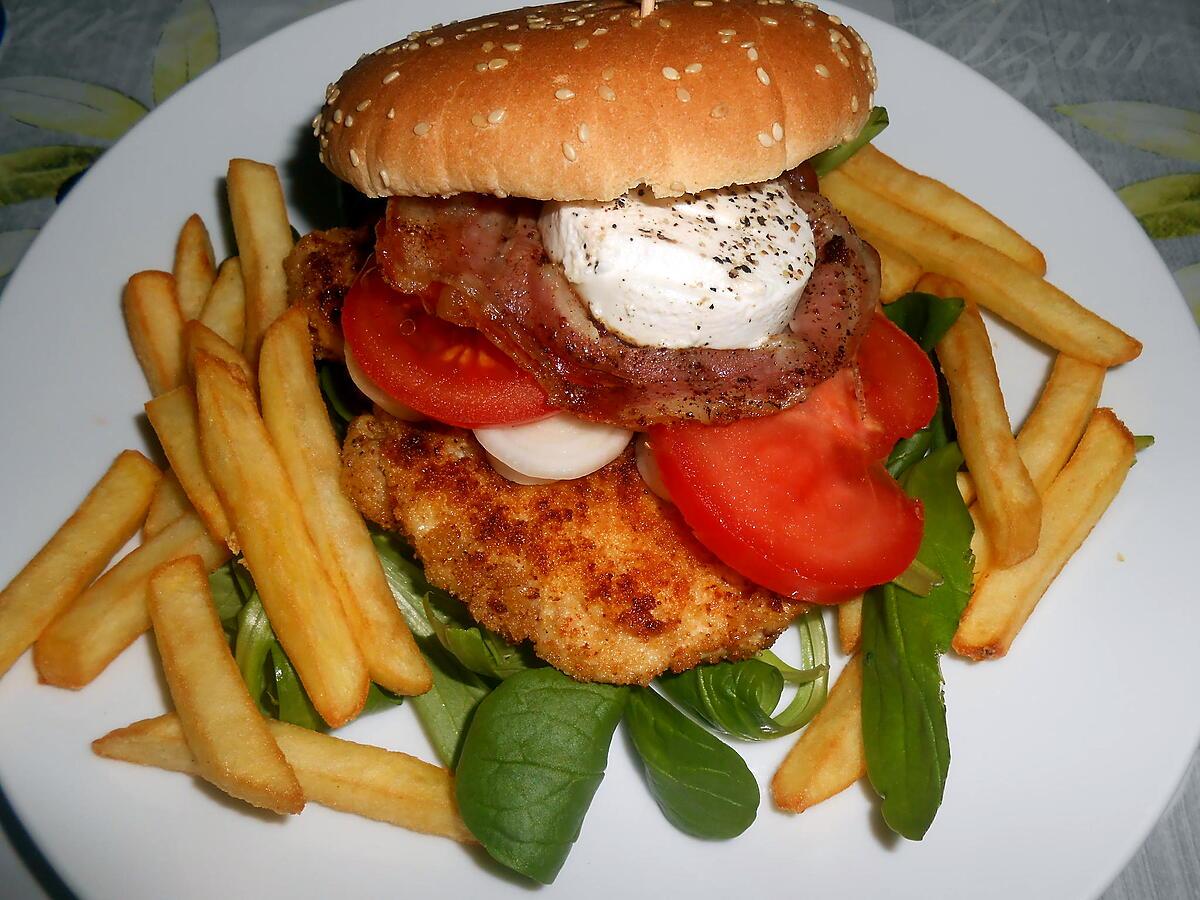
(828, 160)
(903, 639)
(251, 649)
(531, 762)
(483, 652)
(740, 698)
(291, 699)
(446, 708)
(701, 784)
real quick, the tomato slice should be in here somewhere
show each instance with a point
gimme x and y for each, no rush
(799, 502)
(444, 371)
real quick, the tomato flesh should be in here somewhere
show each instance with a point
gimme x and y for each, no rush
(444, 371)
(799, 502)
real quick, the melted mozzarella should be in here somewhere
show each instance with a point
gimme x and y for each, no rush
(722, 269)
(552, 449)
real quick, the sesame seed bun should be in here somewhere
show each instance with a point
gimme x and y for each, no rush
(586, 100)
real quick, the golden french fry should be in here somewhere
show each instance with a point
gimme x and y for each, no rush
(229, 739)
(935, 200)
(199, 338)
(155, 326)
(264, 238)
(298, 423)
(109, 615)
(78, 552)
(1074, 503)
(981, 548)
(1010, 508)
(940, 285)
(297, 593)
(195, 267)
(898, 270)
(173, 417)
(829, 756)
(225, 309)
(168, 504)
(379, 784)
(993, 280)
(849, 621)
(1053, 429)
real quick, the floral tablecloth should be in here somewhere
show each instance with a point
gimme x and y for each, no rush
(1120, 80)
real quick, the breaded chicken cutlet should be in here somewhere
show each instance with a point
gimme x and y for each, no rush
(603, 578)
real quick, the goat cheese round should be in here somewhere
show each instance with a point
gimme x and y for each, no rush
(721, 269)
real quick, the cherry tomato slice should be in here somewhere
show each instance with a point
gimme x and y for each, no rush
(444, 371)
(800, 502)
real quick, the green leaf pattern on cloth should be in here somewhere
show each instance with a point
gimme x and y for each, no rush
(69, 106)
(40, 171)
(189, 44)
(1165, 130)
(1167, 207)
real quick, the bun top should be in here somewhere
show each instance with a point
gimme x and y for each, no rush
(586, 100)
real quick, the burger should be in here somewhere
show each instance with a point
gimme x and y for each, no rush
(632, 390)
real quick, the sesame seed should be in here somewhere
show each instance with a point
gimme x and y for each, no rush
(385, 178)
(608, 74)
(569, 152)
(392, 113)
(564, 94)
(580, 44)
(327, 127)
(479, 120)
(349, 121)
(763, 76)
(480, 67)
(854, 103)
(752, 55)
(488, 25)
(834, 19)
(363, 105)
(719, 111)
(412, 45)
(765, 139)
(767, 20)
(746, 44)
(436, 41)
(421, 129)
(512, 48)
(606, 93)
(337, 116)
(777, 131)
(496, 116)
(391, 76)
(498, 63)
(670, 73)
(512, 27)
(584, 133)
(693, 68)
(664, 23)
(726, 32)
(701, 2)
(822, 70)
(683, 94)
(354, 160)
(488, 46)
(599, 31)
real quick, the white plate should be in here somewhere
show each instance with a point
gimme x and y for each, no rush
(1064, 754)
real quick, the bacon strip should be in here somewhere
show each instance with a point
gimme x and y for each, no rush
(481, 262)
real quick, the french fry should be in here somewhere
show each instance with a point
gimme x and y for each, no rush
(1053, 428)
(829, 756)
(298, 423)
(155, 326)
(173, 417)
(300, 599)
(264, 238)
(1010, 508)
(225, 733)
(898, 270)
(168, 504)
(378, 784)
(195, 267)
(225, 309)
(849, 621)
(78, 552)
(935, 200)
(1073, 505)
(993, 280)
(109, 615)
(199, 338)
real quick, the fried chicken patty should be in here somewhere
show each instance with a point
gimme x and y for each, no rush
(601, 576)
